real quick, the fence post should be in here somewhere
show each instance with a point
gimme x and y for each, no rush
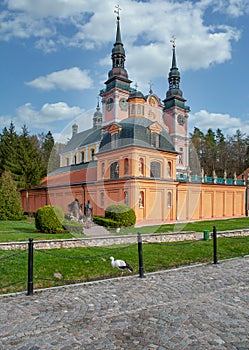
(30, 267)
(140, 255)
(215, 245)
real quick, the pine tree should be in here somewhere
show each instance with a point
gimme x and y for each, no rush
(49, 152)
(10, 201)
(26, 168)
(8, 147)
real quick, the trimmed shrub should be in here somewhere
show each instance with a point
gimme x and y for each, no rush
(121, 213)
(109, 223)
(48, 219)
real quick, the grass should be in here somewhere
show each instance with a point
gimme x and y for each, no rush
(65, 266)
(21, 230)
(16, 231)
(197, 226)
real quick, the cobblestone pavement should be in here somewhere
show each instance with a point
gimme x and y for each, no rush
(199, 307)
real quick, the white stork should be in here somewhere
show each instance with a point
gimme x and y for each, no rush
(120, 264)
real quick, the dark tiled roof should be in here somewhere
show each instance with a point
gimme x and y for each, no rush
(83, 138)
(136, 132)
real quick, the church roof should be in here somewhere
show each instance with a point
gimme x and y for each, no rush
(137, 132)
(83, 138)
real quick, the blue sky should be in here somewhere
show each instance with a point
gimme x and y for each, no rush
(55, 56)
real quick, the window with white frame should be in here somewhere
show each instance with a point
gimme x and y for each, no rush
(82, 157)
(141, 199)
(169, 169)
(114, 170)
(102, 200)
(155, 139)
(155, 169)
(126, 198)
(126, 166)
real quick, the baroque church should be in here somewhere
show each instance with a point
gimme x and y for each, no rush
(137, 153)
(119, 102)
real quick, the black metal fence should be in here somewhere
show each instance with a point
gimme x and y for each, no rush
(173, 249)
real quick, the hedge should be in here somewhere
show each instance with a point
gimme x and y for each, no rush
(122, 214)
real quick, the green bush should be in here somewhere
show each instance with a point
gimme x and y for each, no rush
(121, 213)
(109, 223)
(48, 219)
(10, 200)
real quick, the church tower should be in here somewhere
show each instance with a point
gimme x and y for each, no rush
(117, 91)
(175, 116)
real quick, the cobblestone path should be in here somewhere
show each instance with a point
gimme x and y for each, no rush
(200, 307)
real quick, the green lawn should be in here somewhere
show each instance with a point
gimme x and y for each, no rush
(23, 229)
(16, 231)
(65, 266)
(197, 226)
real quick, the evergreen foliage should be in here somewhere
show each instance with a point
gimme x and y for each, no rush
(26, 157)
(50, 155)
(121, 213)
(48, 219)
(8, 147)
(10, 201)
(214, 151)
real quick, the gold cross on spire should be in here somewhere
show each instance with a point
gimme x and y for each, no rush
(173, 41)
(117, 11)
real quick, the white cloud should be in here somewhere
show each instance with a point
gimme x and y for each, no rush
(57, 8)
(228, 124)
(234, 8)
(47, 115)
(67, 79)
(50, 117)
(145, 26)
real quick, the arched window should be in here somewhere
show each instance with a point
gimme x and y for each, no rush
(126, 198)
(92, 154)
(114, 140)
(126, 166)
(82, 157)
(155, 139)
(75, 159)
(141, 199)
(155, 169)
(138, 109)
(103, 169)
(141, 167)
(67, 161)
(133, 109)
(102, 200)
(169, 199)
(114, 170)
(169, 169)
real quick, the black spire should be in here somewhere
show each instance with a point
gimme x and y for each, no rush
(174, 77)
(118, 56)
